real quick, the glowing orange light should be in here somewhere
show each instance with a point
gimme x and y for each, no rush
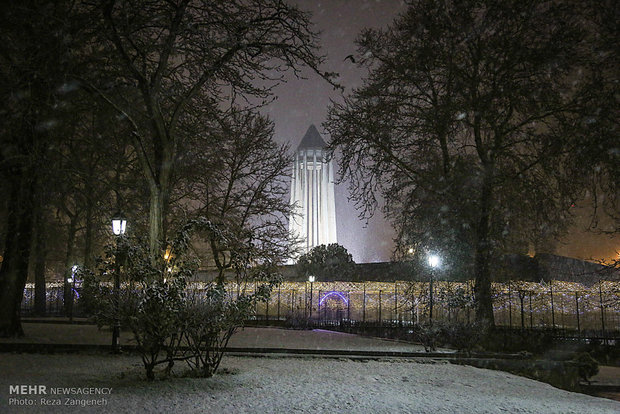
(168, 254)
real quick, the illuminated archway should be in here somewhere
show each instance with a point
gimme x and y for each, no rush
(333, 293)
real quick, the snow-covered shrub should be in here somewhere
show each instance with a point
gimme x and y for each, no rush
(505, 340)
(149, 302)
(463, 336)
(157, 321)
(459, 335)
(208, 322)
(587, 366)
(90, 291)
(169, 321)
(430, 335)
(298, 320)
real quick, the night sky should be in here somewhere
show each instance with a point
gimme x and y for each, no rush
(301, 102)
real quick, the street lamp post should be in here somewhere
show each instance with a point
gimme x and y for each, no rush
(433, 261)
(119, 224)
(311, 280)
(71, 283)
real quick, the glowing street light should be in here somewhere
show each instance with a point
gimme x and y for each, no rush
(70, 289)
(433, 261)
(119, 224)
(311, 279)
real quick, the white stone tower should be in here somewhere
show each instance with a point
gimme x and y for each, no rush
(312, 193)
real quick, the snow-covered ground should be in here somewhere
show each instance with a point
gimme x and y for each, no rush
(46, 333)
(287, 385)
(316, 339)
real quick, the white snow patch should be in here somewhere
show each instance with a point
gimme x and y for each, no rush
(307, 385)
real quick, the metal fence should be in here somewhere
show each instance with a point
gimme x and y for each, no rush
(54, 301)
(556, 305)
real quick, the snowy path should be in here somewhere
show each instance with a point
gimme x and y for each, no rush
(316, 339)
(287, 385)
(46, 333)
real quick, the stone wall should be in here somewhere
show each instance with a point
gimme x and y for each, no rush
(542, 267)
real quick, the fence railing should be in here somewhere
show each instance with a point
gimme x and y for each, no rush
(556, 305)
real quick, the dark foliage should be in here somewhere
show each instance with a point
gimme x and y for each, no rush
(326, 262)
(467, 125)
(171, 320)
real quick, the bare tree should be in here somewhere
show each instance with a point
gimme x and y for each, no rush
(595, 150)
(461, 126)
(158, 59)
(236, 176)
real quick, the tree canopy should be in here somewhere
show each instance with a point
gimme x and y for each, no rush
(465, 126)
(97, 91)
(156, 60)
(326, 262)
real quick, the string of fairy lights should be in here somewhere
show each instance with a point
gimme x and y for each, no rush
(516, 303)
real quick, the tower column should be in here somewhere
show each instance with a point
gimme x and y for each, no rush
(306, 203)
(312, 190)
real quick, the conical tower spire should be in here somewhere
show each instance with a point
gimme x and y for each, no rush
(312, 139)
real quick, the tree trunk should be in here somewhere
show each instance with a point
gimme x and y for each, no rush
(482, 269)
(156, 219)
(88, 231)
(40, 256)
(67, 293)
(14, 270)
(159, 196)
